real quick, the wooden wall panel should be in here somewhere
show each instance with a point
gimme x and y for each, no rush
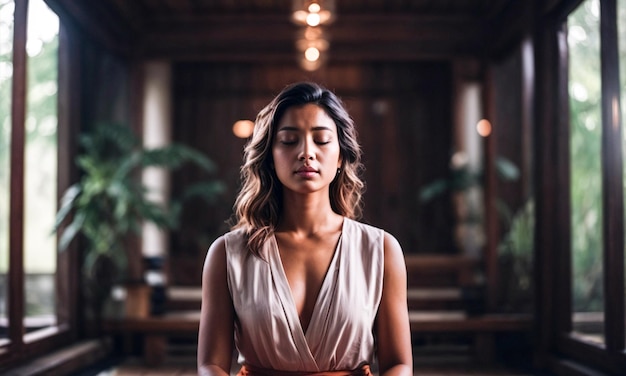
(402, 112)
(509, 130)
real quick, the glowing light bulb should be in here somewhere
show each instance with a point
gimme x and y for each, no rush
(483, 128)
(313, 19)
(312, 54)
(243, 128)
(314, 8)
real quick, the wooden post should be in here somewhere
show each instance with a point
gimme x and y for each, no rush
(491, 214)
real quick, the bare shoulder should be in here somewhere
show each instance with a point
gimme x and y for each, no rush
(392, 242)
(215, 259)
(218, 245)
(394, 256)
(215, 332)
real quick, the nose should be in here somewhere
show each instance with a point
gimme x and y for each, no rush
(307, 151)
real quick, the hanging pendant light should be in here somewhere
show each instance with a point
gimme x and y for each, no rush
(311, 41)
(313, 12)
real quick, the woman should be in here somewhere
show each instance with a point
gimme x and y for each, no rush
(299, 286)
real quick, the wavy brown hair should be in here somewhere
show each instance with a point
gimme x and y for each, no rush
(260, 199)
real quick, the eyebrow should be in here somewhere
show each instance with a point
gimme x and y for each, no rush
(292, 128)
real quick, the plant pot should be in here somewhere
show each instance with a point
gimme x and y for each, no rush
(137, 304)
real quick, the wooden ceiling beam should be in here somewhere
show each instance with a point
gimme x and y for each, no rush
(505, 32)
(406, 28)
(353, 37)
(131, 13)
(265, 52)
(193, 21)
(183, 35)
(100, 27)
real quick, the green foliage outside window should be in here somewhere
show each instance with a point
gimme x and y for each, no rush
(40, 153)
(585, 157)
(6, 68)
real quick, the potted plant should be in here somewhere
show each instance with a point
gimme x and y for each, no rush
(109, 204)
(462, 183)
(516, 261)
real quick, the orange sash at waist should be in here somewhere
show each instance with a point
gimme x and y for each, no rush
(247, 370)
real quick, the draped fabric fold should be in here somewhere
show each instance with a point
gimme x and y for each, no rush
(268, 332)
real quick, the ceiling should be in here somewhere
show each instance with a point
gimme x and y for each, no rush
(243, 30)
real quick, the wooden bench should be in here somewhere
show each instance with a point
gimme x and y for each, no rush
(482, 329)
(442, 270)
(155, 331)
(446, 298)
(437, 298)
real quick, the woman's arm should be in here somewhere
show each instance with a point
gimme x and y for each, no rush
(215, 337)
(392, 323)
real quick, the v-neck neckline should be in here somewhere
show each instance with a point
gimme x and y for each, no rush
(320, 310)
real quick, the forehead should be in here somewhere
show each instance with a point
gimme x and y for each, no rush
(305, 117)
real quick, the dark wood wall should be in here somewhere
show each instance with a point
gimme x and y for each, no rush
(403, 115)
(105, 81)
(512, 127)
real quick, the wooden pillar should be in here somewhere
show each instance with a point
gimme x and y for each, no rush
(490, 194)
(551, 149)
(16, 205)
(612, 181)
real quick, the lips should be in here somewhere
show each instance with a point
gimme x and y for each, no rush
(306, 171)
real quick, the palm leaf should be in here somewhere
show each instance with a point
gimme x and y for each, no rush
(174, 156)
(110, 202)
(155, 213)
(109, 141)
(70, 232)
(208, 191)
(68, 202)
(506, 169)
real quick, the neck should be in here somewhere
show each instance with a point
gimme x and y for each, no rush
(308, 214)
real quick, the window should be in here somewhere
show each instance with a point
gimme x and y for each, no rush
(621, 32)
(585, 171)
(592, 326)
(40, 170)
(6, 72)
(33, 278)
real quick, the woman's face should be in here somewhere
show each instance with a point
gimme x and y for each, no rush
(306, 149)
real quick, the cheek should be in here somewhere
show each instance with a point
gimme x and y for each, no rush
(281, 161)
(278, 156)
(337, 155)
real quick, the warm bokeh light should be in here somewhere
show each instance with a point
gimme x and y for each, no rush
(243, 128)
(483, 128)
(312, 54)
(312, 34)
(310, 65)
(313, 19)
(318, 44)
(313, 13)
(311, 41)
(459, 160)
(314, 8)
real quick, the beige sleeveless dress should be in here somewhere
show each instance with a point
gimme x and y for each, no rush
(268, 334)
